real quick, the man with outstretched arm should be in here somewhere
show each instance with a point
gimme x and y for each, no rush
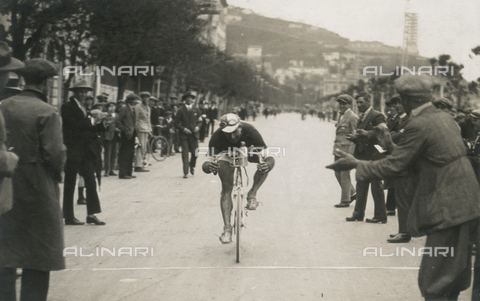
(225, 140)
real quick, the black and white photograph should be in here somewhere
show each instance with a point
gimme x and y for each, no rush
(239, 150)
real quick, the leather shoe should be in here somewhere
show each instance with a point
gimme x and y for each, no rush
(400, 238)
(73, 222)
(192, 170)
(376, 221)
(81, 201)
(112, 173)
(185, 176)
(94, 220)
(125, 177)
(354, 219)
(353, 197)
(391, 212)
(342, 205)
(141, 169)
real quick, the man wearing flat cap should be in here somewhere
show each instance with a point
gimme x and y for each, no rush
(446, 194)
(31, 234)
(81, 138)
(346, 125)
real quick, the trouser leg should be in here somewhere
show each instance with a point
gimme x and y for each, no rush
(343, 178)
(192, 147)
(87, 170)
(34, 285)
(107, 155)
(444, 277)
(391, 204)
(7, 284)
(71, 169)
(361, 203)
(184, 146)
(378, 199)
(141, 150)
(403, 198)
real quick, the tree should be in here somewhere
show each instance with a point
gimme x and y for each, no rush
(139, 32)
(30, 18)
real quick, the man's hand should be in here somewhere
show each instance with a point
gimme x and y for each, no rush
(351, 137)
(263, 167)
(347, 162)
(213, 167)
(196, 129)
(187, 131)
(362, 133)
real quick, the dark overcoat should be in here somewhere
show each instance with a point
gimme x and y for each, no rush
(31, 234)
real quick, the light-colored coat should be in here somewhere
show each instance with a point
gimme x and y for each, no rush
(346, 125)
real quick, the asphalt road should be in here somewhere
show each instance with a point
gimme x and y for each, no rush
(296, 246)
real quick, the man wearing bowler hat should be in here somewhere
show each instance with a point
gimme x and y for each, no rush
(79, 135)
(31, 233)
(346, 125)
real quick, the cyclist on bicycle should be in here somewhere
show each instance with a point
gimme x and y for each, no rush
(225, 140)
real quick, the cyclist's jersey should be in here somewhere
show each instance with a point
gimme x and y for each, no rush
(219, 143)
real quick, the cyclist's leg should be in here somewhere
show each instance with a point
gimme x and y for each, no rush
(225, 172)
(258, 178)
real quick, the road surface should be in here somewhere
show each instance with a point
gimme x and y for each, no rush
(296, 246)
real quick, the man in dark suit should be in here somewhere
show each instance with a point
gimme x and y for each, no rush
(126, 124)
(188, 122)
(365, 141)
(212, 115)
(346, 125)
(80, 138)
(446, 194)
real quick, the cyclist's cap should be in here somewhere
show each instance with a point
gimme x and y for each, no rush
(475, 114)
(229, 122)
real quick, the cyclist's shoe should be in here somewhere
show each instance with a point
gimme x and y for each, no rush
(252, 203)
(226, 237)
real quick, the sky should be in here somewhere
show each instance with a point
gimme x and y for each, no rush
(444, 26)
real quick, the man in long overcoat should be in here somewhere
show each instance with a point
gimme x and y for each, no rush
(446, 195)
(31, 234)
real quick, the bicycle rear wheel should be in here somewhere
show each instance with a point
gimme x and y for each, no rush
(160, 148)
(238, 221)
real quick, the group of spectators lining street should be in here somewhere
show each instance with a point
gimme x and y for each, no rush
(426, 153)
(46, 147)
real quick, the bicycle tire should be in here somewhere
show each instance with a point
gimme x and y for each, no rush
(161, 147)
(238, 222)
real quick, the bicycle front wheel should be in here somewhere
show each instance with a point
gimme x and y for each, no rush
(238, 221)
(160, 148)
